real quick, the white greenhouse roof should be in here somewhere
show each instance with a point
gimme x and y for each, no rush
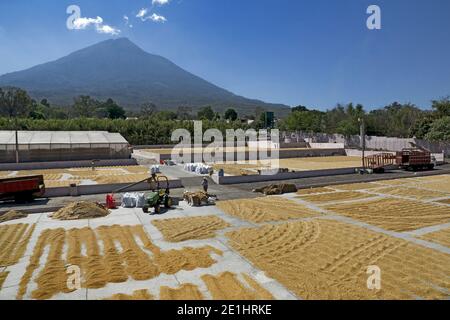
(61, 137)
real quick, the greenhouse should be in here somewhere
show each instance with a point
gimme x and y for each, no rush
(37, 146)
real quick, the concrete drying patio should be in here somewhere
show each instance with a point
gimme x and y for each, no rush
(228, 261)
(321, 251)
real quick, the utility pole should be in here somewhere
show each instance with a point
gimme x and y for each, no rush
(17, 139)
(17, 146)
(362, 129)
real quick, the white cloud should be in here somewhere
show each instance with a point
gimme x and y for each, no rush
(141, 14)
(157, 18)
(144, 13)
(160, 2)
(104, 28)
(83, 23)
(127, 21)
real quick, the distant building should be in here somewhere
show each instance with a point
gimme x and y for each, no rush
(40, 146)
(247, 121)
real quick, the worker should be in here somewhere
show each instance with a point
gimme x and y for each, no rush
(205, 184)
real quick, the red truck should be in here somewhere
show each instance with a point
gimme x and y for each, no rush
(409, 159)
(22, 188)
(415, 159)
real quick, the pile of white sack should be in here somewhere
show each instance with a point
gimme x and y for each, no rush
(155, 169)
(133, 200)
(198, 168)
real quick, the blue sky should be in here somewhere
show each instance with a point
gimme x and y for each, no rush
(311, 52)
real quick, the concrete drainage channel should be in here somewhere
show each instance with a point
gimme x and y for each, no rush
(281, 176)
(37, 210)
(227, 180)
(101, 188)
(323, 181)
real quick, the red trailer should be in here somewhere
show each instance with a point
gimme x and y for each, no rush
(22, 188)
(379, 161)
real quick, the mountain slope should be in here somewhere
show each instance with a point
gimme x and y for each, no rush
(120, 70)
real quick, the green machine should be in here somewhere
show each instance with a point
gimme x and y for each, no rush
(159, 197)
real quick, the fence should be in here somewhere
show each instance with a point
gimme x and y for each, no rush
(372, 142)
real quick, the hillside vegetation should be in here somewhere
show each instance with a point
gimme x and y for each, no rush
(153, 125)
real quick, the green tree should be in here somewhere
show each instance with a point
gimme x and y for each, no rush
(148, 110)
(439, 130)
(113, 110)
(58, 113)
(394, 120)
(231, 115)
(184, 113)
(334, 117)
(166, 115)
(344, 119)
(299, 108)
(260, 119)
(422, 126)
(85, 106)
(14, 102)
(45, 103)
(311, 121)
(348, 127)
(206, 113)
(441, 107)
(38, 110)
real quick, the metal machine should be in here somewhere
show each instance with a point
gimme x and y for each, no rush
(159, 195)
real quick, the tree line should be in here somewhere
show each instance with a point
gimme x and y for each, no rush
(137, 132)
(150, 125)
(394, 120)
(15, 102)
(145, 127)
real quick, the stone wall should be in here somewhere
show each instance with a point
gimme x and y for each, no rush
(372, 142)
